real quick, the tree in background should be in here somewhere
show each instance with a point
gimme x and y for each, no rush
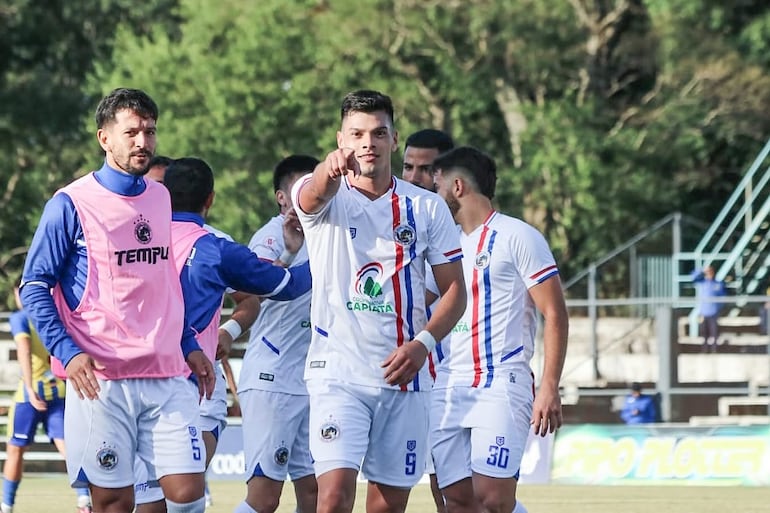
(604, 115)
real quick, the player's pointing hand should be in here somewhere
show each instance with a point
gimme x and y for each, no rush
(342, 161)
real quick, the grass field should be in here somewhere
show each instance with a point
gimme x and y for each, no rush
(46, 494)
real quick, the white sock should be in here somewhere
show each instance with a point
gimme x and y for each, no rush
(198, 506)
(519, 507)
(244, 508)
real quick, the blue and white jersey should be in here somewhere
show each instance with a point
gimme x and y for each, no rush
(368, 262)
(279, 338)
(504, 258)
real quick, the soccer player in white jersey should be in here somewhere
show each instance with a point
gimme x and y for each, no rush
(368, 235)
(271, 388)
(420, 150)
(482, 406)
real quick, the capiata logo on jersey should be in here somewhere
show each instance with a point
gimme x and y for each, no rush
(404, 235)
(142, 230)
(482, 260)
(107, 457)
(281, 454)
(461, 327)
(368, 289)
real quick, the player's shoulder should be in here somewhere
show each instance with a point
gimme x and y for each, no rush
(18, 316)
(425, 202)
(217, 232)
(511, 224)
(405, 188)
(19, 322)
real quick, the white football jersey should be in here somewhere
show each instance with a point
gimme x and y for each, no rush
(368, 260)
(279, 338)
(504, 258)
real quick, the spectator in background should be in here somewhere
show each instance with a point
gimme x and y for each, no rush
(39, 399)
(707, 288)
(639, 408)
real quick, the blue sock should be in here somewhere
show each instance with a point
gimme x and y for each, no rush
(82, 492)
(9, 491)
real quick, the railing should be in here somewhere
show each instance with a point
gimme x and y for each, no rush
(669, 347)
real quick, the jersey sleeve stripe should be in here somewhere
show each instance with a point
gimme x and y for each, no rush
(548, 271)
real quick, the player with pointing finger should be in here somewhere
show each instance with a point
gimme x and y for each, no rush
(369, 236)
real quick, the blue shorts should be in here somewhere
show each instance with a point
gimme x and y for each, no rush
(23, 420)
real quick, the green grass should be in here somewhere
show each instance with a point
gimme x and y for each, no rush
(45, 494)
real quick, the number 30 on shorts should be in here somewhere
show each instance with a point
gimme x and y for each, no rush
(498, 456)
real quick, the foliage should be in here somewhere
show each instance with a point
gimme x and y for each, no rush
(603, 115)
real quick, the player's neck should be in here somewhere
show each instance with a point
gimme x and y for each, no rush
(473, 212)
(372, 186)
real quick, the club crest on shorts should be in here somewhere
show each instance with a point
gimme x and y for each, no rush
(142, 230)
(411, 445)
(193, 431)
(482, 260)
(281, 455)
(329, 431)
(404, 235)
(500, 440)
(107, 458)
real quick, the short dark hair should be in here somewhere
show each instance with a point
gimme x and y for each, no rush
(291, 165)
(159, 160)
(430, 138)
(472, 163)
(190, 181)
(135, 100)
(636, 387)
(365, 100)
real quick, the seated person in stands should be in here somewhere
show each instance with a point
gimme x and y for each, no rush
(639, 408)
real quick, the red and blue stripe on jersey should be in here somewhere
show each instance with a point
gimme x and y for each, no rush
(404, 306)
(482, 309)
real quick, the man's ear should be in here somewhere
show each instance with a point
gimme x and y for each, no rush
(102, 136)
(210, 200)
(281, 199)
(459, 186)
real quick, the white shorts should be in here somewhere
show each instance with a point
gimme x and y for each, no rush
(214, 411)
(481, 430)
(213, 418)
(276, 440)
(146, 490)
(155, 420)
(385, 428)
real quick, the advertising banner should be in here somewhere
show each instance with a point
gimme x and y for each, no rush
(658, 454)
